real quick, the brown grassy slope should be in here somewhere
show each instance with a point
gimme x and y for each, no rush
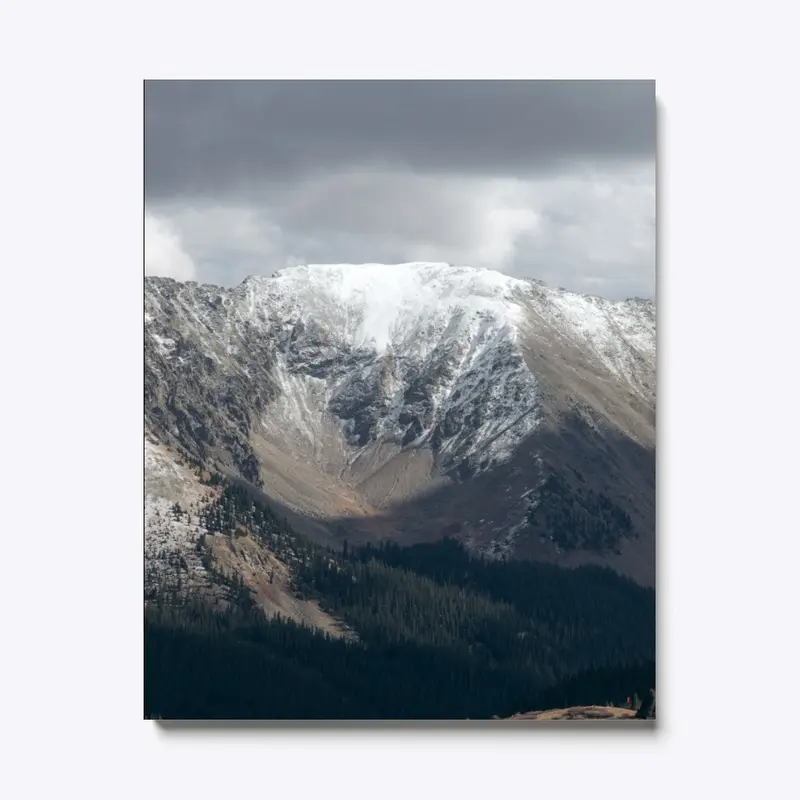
(269, 581)
(577, 713)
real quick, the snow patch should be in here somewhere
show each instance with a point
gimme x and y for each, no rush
(622, 335)
(378, 305)
(170, 538)
(165, 344)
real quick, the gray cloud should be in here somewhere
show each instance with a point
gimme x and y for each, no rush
(555, 180)
(212, 137)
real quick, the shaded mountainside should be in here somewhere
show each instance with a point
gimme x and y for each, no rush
(245, 618)
(410, 402)
(362, 484)
(428, 632)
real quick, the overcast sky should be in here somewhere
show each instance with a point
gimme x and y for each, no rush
(550, 180)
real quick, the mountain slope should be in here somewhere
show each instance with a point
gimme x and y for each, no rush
(416, 400)
(441, 635)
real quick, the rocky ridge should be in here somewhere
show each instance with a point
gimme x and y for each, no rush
(414, 401)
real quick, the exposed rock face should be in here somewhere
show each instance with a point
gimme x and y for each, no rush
(417, 399)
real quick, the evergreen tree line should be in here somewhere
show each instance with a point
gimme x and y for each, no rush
(201, 664)
(549, 621)
(583, 518)
(442, 635)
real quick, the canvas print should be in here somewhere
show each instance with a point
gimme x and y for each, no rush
(400, 383)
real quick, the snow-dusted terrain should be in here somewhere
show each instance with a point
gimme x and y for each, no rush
(171, 535)
(352, 389)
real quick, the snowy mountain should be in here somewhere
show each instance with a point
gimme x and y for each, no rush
(414, 401)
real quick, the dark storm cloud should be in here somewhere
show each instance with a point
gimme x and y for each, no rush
(243, 138)
(553, 180)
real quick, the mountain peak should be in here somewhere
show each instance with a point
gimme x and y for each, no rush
(421, 268)
(432, 277)
(376, 303)
(359, 390)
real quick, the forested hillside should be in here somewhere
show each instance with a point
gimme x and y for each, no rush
(441, 634)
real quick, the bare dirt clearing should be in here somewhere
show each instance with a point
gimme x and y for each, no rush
(577, 713)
